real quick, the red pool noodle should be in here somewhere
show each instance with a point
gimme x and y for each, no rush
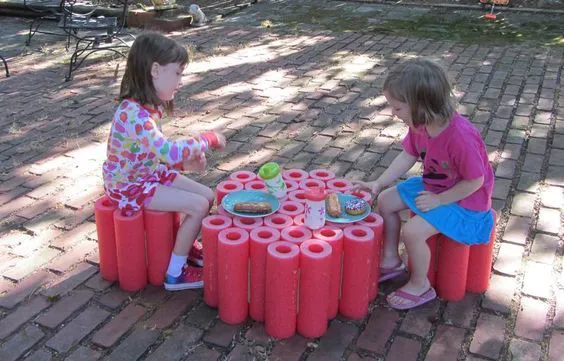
(315, 271)
(297, 195)
(291, 208)
(226, 187)
(480, 264)
(221, 211)
(296, 234)
(452, 269)
(256, 185)
(278, 221)
(296, 175)
(324, 175)
(376, 224)
(211, 226)
(281, 291)
(260, 237)
(358, 246)
(247, 223)
(243, 176)
(160, 241)
(299, 220)
(130, 250)
(233, 275)
(339, 185)
(310, 183)
(334, 237)
(104, 212)
(362, 194)
(291, 185)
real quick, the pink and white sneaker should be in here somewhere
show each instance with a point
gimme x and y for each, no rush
(196, 254)
(190, 277)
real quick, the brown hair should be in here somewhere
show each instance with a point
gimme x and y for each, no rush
(424, 86)
(148, 48)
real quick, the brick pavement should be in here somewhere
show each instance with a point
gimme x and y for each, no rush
(310, 99)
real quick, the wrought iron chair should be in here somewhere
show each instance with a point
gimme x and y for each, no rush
(5, 66)
(92, 34)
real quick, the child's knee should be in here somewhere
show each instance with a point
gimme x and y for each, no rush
(198, 206)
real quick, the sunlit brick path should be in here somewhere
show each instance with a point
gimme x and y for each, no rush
(306, 100)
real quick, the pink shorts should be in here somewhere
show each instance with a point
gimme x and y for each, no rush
(136, 195)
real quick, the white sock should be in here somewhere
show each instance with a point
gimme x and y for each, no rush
(175, 265)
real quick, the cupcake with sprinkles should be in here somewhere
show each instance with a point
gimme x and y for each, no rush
(355, 206)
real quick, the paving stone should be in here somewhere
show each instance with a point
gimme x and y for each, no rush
(558, 320)
(221, 334)
(334, 342)
(506, 169)
(73, 332)
(556, 348)
(20, 343)
(404, 349)
(509, 258)
(177, 345)
(555, 176)
(544, 248)
(257, 333)
(25, 288)
(538, 279)
(461, 313)
(70, 280)
(529, 182)
(500, 293)
(63, 308)
(202, 316)
(21, 315)
(134, 345)
(531, 319)
(524, 350)
(552, 197)
(417, 321)
(290, 349)
(114, 298)
(172, 309)
(446, 344)
(112, 331)
(40, 355)
(517, 230)
(556, 157)
(29, 265)
(84, 354)
(97, 283)
(523, 204)
(378, 330)
(202, 353)
(501, 188)
(488, 337)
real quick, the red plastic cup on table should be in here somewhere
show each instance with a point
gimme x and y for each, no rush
(159, 237)
(296, 175)
(334, 237)
(211, 226)
(225, 187)
(358, 247)
(376, 224)
(298, 195)
(278, 221)
(291, 208)
(296, 234)
(233, 275)
(104, 212)
(130, 250)
(247, 223)
(291, 185)
(339, 185)
(281, 292)
(243, 176)
(261, 237)
(362, 194)
(307, 184)
(315, 274)
(323, 175)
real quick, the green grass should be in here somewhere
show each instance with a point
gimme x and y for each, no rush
(471, 28)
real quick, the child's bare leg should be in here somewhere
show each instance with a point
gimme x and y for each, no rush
(389, 205)
(415, 233)
(187, 184)
(195, 207)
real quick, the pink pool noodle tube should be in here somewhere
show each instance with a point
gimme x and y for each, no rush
(211, 226)
(225, 187)
(243, 176)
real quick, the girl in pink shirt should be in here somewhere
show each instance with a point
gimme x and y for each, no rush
(453, 197)
(141, 166)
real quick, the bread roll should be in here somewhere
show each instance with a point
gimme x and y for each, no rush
(333, 205)
(253, 207)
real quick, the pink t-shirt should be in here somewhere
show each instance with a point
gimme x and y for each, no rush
(457, 153)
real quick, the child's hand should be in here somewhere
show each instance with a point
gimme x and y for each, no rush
(197, 164)
(426, 201)
(221, 141)
(216, 140)
(372, 187)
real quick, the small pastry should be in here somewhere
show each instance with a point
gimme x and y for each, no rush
(355, 206)
(253, 207)
(333, 205)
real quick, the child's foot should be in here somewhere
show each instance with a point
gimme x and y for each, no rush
(191, 277)
(410, 296)
(387, 273)
(195, 255)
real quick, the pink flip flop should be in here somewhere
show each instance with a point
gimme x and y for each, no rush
(427, 296)
(391, 272)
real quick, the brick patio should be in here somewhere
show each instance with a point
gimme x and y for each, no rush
(306, 100)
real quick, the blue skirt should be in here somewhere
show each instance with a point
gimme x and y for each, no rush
(458, 223)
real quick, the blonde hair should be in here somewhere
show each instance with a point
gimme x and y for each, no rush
(148, 48)
(424, 86)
